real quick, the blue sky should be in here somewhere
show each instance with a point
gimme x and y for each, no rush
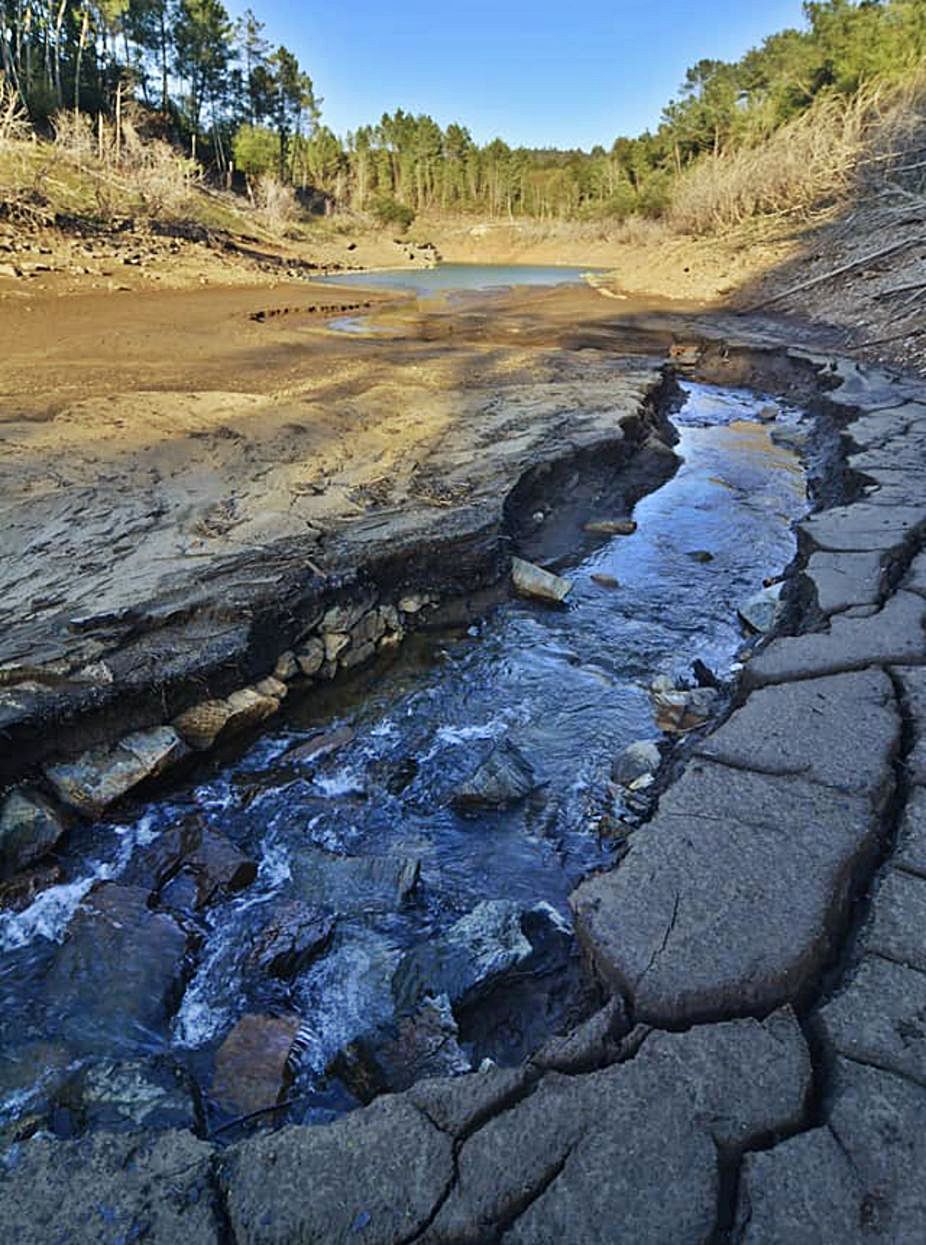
(541, 73)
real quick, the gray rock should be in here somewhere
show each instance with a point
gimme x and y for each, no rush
(311, 657)
(731, 899)
(458, 1105)
(801, 729)
(897, 927)
(191, 866)
(353, 884)
(879, 1017)
(30, 826)
(112, 984)
(122, 1095)
(376, 1175)
(291, 936)
(841, 580)
(761, 612)
(533, 581)
(343, 617)
(593, 1044)
(100, 777)
(630, 1152)
(803, 1192)
(678, 710)
(637, 760)
(423, 1043)
(911, 841)
(110, 1187)
(497, 940)
(893, 635)
(857, 1179)
(916, 576)
(913, 679)
(864, 527)
(503, 778)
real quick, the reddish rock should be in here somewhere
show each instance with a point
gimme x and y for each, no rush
(251, 1067)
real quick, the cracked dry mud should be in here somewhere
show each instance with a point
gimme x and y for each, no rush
(759, 1075)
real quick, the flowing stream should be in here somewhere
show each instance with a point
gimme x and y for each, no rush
(358, 828)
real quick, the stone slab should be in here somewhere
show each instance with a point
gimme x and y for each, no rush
(801, 729)
(731, 899)
(629, 1153)
(109, 1187)
(913, 680)
(841, 580)
(857, 1180)
(862, 527)
(879, 1017)
(894, 634)
(916, 576)
(911, 840)
(897, 925)
(376, 1176)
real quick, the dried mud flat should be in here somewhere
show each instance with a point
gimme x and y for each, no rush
(758, 1074)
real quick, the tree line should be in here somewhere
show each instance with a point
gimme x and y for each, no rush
(249, 102)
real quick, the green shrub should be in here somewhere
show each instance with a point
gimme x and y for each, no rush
(388, 211)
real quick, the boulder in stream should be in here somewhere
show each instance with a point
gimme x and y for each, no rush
(191, 866)
(678, 710)
(354, 884)
(423, 1043)
(638, 760)
(496, 941)
(533, 581)
(294, 934)
(30, 826)
(96, 779)
(252, 1066)
(761, 612)
(503, 778)
(112, 986)
(128, 1094)
(611, 527)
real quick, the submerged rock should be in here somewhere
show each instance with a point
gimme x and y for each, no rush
(191, 866)
(20, 891)
(422, 1044)
(30, 826)
(534, 581)
(252, 1066)
(321, 745)
(761, 612)
(294, 935)
(605, 581)
(678, 709)
(636, 761)
(353, 884)
(611, 527)
(95, 780)
(497, 940)
(503, 778)
(700, 555)
(113, 983)
(119, 1095)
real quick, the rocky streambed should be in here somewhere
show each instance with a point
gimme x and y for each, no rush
(375, 890)
(744, 1060)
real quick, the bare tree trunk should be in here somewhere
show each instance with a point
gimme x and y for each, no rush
(82, 43)
(59, 22)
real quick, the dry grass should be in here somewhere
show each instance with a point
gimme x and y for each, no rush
(275, 202)
(14, 124)
(837, 147)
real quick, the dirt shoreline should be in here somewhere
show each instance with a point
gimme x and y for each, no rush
(167, 545)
